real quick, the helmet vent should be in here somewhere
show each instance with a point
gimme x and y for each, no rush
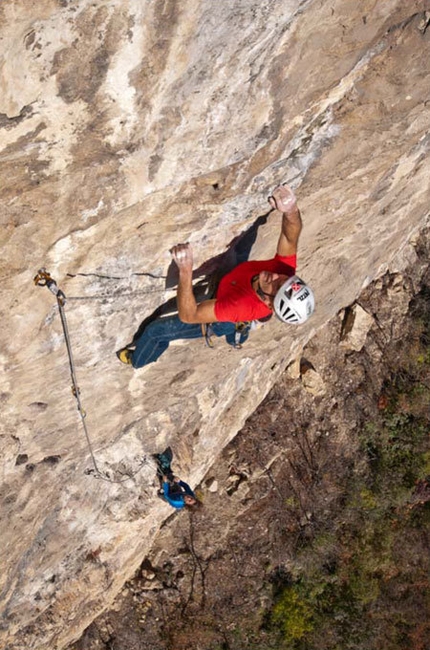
(289, 315)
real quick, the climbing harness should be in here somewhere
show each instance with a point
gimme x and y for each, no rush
(207, 332)
(241, 331)
(44, 279)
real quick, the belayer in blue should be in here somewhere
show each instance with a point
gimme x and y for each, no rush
(174, 491)
(178, 493)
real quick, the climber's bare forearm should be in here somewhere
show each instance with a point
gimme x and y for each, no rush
(290, 233)
(284, 200)
(188, 309)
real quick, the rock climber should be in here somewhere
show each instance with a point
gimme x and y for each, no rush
(178, 493)
(252, 291)
(173, 490)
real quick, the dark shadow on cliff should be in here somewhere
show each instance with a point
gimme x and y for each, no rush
(209, 273)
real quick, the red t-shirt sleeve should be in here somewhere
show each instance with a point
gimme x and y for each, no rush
(289, 260)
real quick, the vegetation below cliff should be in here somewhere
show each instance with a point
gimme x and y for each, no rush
(314, 531)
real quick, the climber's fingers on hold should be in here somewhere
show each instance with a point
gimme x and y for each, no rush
(182, 254)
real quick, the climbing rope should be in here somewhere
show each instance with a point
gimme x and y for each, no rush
(44, 279)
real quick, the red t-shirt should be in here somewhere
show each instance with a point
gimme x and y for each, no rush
(235, 298)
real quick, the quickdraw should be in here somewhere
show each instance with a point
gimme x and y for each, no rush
(44, 279)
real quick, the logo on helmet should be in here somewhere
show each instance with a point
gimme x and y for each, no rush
(304, 295)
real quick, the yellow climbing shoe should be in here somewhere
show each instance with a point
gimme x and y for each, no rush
(124, 356)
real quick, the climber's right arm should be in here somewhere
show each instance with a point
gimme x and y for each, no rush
(189, 310)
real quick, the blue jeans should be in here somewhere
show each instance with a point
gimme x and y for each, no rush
(156, 337)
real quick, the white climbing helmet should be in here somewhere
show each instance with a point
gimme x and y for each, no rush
(294, 301)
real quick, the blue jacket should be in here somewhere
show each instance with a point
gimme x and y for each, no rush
(176, 499)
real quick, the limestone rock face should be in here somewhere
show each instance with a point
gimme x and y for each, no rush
(126, 127)
(313, 382)
(356, 325)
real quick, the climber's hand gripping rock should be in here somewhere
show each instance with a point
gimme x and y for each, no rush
(183, 256)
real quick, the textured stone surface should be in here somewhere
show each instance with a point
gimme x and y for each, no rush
(128, 126)
(356, 324)
(313, 383)
(282, 486)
